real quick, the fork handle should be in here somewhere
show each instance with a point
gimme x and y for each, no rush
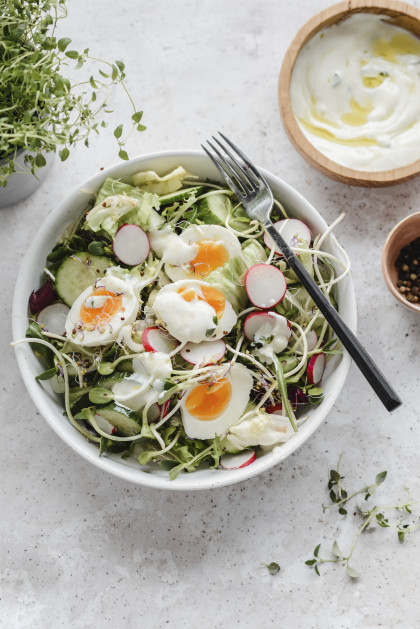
(373, 375)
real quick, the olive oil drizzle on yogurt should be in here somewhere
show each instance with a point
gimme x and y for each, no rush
(355, 92)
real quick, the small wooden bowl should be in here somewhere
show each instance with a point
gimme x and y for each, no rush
(400, 14)
(403, 233)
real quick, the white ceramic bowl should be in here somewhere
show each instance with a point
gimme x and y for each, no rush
(51, 406)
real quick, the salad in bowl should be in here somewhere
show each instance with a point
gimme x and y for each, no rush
(170, 331)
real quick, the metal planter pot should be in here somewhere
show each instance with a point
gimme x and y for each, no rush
(22, 184)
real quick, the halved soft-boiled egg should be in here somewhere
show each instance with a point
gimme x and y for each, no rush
(210, 408)
(99, 313)
(199, 250)
(194, 311)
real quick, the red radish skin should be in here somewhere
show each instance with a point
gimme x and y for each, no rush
(315, 369)
(156, 340)
(42, 297)
(164, 409)
(265, 285)
(237, 461)
(254, 321)
(275, 409)
(131, 244)
(205, 353)
(293, 232)
(52, 318)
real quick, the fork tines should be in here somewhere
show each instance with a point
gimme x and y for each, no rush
(234, 167)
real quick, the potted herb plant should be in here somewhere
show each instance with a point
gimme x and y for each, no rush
(43, 111)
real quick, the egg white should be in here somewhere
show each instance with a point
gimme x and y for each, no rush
(191, 320)
(146, 383)
(241, 380)
(180, 251)
(81, 334)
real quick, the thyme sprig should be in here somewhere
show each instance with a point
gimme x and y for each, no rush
(42, 110)
(375, 515)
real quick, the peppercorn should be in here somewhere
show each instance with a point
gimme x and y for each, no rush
(408, 282)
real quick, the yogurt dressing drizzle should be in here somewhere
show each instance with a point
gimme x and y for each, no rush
(355, 92)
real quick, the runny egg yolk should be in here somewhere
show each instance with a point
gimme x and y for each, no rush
(210, 256)
(211, 295)
(104, 312)
(208, 401)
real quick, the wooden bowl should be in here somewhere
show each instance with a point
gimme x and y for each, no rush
(401, 14)
(403, 233)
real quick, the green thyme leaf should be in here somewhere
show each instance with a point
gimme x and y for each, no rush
(336, 550)
(273, 567)
(380, 478)
(136, 117)
(72, 54)
(118, 131)
(64, 153)
(63, 43)
(352, 572)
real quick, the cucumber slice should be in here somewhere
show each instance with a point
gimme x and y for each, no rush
(215, 209)
(180, 195)
(76, 273)
(125, 420)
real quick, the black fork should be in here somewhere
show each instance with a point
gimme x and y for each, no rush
(251, 189)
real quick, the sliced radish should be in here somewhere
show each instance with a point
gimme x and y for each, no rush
(265, 285)
(293, 231)
(131, 244)
(42, 297)
(256, 320)
(156, 411)
(204, 353)
(312, 340)
(155, 339)
(104, 425)
(53, 318)
(236, 461)
(315, 369)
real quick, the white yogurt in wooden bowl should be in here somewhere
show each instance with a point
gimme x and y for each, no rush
(355, 91)
(349, 92)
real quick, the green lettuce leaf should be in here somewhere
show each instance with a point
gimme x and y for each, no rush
(253, 252)
(227, 280)
(119, 203)
(151, 182)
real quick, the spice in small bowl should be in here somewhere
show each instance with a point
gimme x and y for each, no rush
(401, 261)
(407, 265)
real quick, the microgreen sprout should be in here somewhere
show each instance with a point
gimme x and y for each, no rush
(370, 516)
